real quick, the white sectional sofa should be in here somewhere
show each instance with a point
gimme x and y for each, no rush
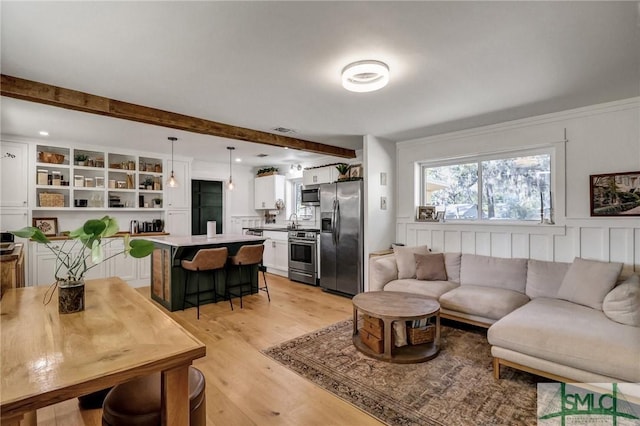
(571, 322)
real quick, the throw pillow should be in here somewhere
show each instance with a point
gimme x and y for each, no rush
(405, 260)
(587, 282)
(622, 304)
(430, 267)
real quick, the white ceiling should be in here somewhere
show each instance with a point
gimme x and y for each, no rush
(261, 65)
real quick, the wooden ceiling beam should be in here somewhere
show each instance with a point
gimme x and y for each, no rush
(33, 91)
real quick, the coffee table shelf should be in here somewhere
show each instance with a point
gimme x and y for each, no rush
(392, 306)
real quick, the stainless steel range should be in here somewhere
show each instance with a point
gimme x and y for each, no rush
(303, 256)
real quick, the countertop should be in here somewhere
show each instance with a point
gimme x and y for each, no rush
(198, 240)
(116, 235)
(281, 229)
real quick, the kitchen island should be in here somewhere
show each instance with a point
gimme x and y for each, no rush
(168, 277)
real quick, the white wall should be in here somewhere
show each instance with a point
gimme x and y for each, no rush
(602, 138)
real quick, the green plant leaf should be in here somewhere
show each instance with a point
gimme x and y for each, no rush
(31, 232)
(94, 227)
(97, 254)
(112, 226)
(141, 248)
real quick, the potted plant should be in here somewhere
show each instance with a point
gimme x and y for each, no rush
(81, 159)
(73, 255)
(267, 171)
(343, 170)
(157, 202)
(148, 182)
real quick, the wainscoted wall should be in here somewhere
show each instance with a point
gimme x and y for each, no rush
(590, 239)
(601, 138)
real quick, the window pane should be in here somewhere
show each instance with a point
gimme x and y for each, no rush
(516, 188)
(453, 189)
(301, 211)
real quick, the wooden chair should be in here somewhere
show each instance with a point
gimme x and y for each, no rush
(205, 260)
(248, 255)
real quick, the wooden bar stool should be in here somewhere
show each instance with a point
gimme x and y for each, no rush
(248, 255)
(205, 260)
(138, 402)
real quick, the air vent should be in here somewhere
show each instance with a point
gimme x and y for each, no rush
(262, 155)
(283, 130)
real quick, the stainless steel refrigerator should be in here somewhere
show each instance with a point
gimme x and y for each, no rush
(341, 237)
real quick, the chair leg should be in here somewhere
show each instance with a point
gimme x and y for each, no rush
(227, 293)
(198, 293)
(186, 286)
(266, 287)
(240, 274)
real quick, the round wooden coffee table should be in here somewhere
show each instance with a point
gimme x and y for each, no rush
(390, 306)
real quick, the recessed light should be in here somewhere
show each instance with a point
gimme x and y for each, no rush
(238, 160)
(286, 147)
(365, 76)
(44, 133)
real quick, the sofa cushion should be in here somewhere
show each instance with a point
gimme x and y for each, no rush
(433, 289)
(452, 266)
(488, 302)
(430, 267)
(544, 278)
(572, 335)
(382, 269)
(622, 304)
(587, 282)
(509, 274)
(405, 260)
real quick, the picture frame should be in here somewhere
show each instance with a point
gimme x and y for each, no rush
(48, 225)
(355, 172)
(615, 194)
(426, 214)
(440, 216)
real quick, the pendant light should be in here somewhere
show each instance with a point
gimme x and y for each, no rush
(172, 182)
(230, 185)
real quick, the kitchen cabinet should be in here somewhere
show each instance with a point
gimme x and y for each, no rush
(14, 174)
(12, 219)
(268, 190)
(180, 196)
(318, 175)
(276, 252)
(178, 222)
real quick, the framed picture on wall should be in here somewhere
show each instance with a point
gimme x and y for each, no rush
(48, 225)
(615, 194)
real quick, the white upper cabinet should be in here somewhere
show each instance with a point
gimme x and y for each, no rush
(14, 172)
(318, 175)
(179, 197)
(268, 190)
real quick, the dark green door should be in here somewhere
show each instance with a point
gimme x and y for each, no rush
(206, 205)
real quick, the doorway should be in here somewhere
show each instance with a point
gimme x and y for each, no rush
(206, 205)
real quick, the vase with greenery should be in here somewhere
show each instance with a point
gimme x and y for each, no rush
(343, 169)
(81, 159)
(83, 250)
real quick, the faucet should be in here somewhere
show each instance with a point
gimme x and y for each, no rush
(294, 223)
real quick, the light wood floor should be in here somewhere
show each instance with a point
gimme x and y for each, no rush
(243, 386)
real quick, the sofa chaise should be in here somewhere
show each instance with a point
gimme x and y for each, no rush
(571, 322)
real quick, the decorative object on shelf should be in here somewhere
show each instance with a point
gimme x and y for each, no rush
(230, 185)
(157, 203)
(148, 183)
(50, 157)
(73, 255)
(47, 225)
(343, 169)
(365, 76)
(613, 194)
(81, 160)
(51, 199)
(279, 204)
(267, 171)
(426, 214)
(172, 182)
(355, 171)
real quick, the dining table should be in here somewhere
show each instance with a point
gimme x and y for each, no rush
(47, 357)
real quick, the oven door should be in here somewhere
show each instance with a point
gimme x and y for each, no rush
(302, 255)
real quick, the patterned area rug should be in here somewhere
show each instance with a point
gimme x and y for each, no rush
(455, 388)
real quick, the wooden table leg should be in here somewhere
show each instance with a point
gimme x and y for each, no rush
(388, 330)
(175, 396)
(26, 419)
(355, 320)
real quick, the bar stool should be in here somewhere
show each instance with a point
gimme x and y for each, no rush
(247, 255)
(138, 402)
(204, 260)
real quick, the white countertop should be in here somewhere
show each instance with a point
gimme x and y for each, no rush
(198, 240)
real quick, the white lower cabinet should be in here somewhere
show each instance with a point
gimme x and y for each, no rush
(276, 252)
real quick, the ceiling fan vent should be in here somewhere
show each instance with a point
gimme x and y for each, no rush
(262, 155)
(283, 130)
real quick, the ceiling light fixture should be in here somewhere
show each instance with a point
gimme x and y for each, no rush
(365, 76)
(172, 182)
(230, 185)
(44, 133)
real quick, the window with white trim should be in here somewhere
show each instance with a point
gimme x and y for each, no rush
(514, 186)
